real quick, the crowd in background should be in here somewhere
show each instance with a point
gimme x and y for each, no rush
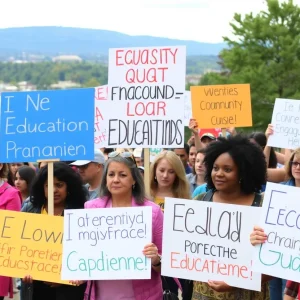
(232, 170)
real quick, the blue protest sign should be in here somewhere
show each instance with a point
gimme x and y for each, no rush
(47, 125)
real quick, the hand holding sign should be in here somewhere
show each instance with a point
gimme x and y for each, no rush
(258, 236)
(108, 244)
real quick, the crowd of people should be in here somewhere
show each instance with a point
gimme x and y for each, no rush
(229, 170)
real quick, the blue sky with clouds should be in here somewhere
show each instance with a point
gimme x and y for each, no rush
(199, 20)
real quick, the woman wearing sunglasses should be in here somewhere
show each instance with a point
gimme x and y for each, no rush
(258, 235)
(123, 186)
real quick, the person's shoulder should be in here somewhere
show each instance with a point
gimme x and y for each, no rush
(199, 190)
(189, 176)
(148, 202)
(290, 182)
(96, 203)
(27, 206)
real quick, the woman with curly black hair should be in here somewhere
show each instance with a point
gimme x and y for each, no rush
(236, 170)
(69, 193)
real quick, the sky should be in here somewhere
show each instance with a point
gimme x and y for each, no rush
(198, 20)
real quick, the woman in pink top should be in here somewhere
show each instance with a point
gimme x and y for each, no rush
(10, 199)
(123, 186)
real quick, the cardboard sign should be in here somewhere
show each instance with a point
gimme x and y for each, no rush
(222, 106)
(101, 112)
(209, 241)
(146, 95)
(286, 123)
(47, 125)
(280, 219)
(31, 244)
(107, 243)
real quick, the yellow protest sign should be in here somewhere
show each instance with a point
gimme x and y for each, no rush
(160, 202)
(31, 244)
(222, 106)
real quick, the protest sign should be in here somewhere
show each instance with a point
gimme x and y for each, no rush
(101, 112)
(187, 108)
(47, 125)
(222, 106)
(154, 152)
(209, 241)
(31, 244)
(146, 95)
(286, 123)
(160, 202)
(280, 219)
(107, 243)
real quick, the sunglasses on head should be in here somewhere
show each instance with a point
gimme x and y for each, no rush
(122, 154)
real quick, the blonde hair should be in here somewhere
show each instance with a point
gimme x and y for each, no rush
(288, 167)
(180, 188)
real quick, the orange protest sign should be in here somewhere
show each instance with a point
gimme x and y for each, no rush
(222, 106)
(31, 244)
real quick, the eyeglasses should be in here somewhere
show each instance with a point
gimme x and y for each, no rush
(122, 154)
(294, 164)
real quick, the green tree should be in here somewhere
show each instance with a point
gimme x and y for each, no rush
(264, 52)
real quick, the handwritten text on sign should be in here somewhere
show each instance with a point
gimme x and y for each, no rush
(146, 92)
(286, 122)
(101, 112)
(107, 243)
(31, 244)
(47, 125)
(209, 241)
(280, 219)
(221, 106)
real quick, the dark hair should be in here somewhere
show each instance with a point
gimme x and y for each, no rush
(138, 191)
(187, 148)
(4, 172)
(108, 150)
(76, 196)
(203, 151)
(247, 156)
(27, 174)
(190, 146)
(261, 139)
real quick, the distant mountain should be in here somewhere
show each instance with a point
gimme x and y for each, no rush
(79, 41)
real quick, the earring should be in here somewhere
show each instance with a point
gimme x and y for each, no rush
(240, 181)
(155, 179)
(133, 186)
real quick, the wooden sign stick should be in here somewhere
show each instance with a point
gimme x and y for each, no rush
(50, 185)
(147, 171)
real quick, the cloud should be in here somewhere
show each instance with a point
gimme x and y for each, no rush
(199, 20)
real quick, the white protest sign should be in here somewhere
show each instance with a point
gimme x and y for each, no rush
(106, 243)
(187, 108)
(280, 219)
(101, 112)
(209, 241)
(146, 96)
(286, 123)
